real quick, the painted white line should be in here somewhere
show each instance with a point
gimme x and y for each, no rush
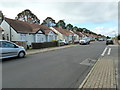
(109, 51)
(104, 51)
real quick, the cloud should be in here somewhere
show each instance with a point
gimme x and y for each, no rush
(108, 31)
(75, 12)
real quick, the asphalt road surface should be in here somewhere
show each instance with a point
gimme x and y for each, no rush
(64, 68)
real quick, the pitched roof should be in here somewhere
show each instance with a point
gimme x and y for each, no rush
(78, 33)
(63, 31)
(25, 27)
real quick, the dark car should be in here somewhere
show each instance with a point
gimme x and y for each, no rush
(109, 41)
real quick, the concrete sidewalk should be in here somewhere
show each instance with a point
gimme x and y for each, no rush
(102, 76)
(35, 51)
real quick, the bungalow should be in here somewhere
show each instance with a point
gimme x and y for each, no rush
(63, 34)
(76, 36)
(16, 30)
(1, 36)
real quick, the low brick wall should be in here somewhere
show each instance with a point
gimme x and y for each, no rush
(44, 45)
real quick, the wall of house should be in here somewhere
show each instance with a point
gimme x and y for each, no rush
(6, 27)
(76, 38)
(51, 36)
(16, 36)
(70, 38)
(40, 38)
(29, 38)
(59, 36)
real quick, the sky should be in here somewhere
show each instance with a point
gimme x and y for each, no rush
(99, 16)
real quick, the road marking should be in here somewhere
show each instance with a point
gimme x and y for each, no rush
(109, 51)
(104, 51)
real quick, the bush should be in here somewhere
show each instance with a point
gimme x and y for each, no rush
(44, 45)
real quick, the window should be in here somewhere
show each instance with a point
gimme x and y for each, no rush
(7, 45)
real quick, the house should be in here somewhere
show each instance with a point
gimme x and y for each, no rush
(76, 36)
(63, 34)
(1, 32)
(16, 30)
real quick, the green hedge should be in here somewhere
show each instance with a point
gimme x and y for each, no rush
(44, 45)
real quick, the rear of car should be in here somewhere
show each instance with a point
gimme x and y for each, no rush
(109, 41)
(9, 49)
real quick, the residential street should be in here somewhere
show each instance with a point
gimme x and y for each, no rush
(63, 68)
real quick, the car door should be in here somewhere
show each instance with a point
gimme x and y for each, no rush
(9, 49)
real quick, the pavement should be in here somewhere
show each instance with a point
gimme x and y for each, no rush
(35, 51)
(104, 73)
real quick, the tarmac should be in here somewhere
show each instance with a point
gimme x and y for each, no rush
(35, 51)
(102, 76)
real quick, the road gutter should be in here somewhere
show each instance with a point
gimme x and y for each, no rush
(47, 49)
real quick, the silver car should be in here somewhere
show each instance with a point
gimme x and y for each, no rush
(9, 49)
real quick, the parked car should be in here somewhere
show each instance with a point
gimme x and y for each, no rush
(109, 41)
(9, 49)
(63, 42)
(84, 41)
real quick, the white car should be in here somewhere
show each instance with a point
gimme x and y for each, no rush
(84, 41)
(64, 42)
(9, 49)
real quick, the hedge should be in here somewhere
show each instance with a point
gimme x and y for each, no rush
(44, 45)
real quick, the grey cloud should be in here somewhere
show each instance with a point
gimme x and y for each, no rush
(96, 12)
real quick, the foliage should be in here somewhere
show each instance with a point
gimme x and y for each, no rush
(28, 16)
(1, 17)
(60, 24)
(69, 26)
(75, 28)
(49, 22)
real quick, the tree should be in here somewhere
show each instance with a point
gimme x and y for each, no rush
(80, 30)
(60, 24)
(75, 28)
(1, 17)
(49, 22)
(69, 26)
(28, 16)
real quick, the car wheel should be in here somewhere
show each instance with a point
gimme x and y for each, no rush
(21, 54)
